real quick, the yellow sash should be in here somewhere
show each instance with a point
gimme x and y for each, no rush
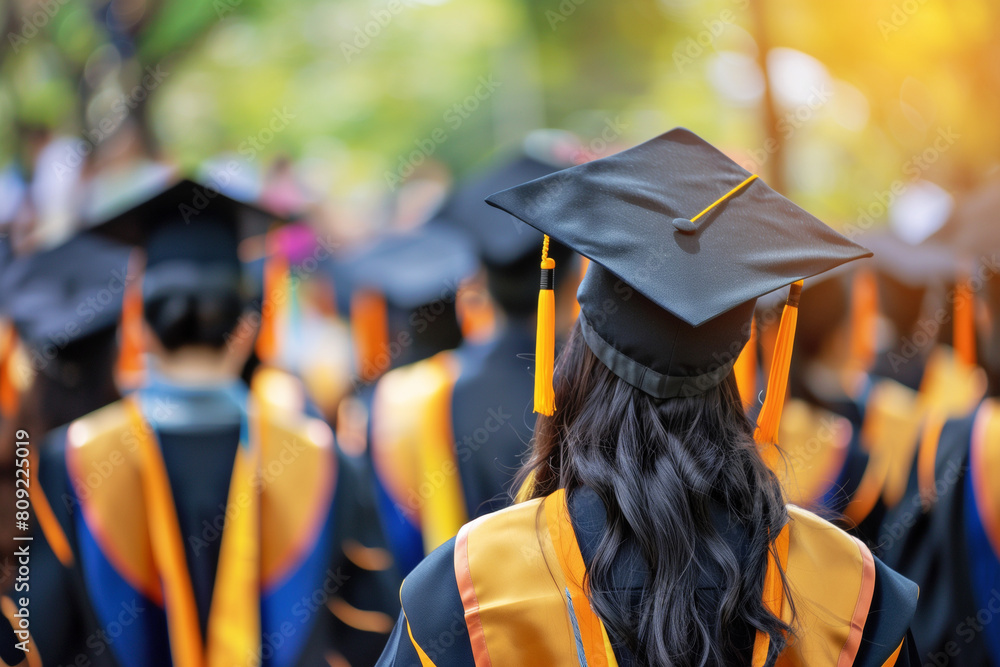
(413, 446)
(897, 416)
(521, 579)
(815, 443)
(234, 621)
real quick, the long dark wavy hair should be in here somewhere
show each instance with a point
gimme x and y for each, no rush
(658, 466)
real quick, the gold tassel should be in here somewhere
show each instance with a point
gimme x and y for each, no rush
(130, 368)
(10, 395)
(964, 326)
(746, 368)
(777, 381)
(545, 339)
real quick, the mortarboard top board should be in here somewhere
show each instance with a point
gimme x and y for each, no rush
(190, 233)
(682, 242)
(974, 226)
(415, 268)
(65, 294)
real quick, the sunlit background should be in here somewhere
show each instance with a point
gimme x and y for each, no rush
(379, 104)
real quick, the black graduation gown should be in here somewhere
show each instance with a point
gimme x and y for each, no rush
(932, 549)
(445, 639)
(492, 416)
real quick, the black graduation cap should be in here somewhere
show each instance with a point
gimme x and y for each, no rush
(414, 268)
(974, 224)
(190, 233)
(406, 284)
(507, 247)
(67, 293)
(683, 240)
(501, 239)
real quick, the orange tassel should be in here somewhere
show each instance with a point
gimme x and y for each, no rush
(10, 397)
(130, 367)
(545, 338)
(746, 368)
(777, 381)
(274, 302)
(370, 331)
(964, 331)
(864, 319)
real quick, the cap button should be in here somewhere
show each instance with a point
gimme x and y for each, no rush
(684, 226)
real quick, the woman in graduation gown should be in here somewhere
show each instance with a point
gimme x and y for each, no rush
(651, 529)
(190, 524)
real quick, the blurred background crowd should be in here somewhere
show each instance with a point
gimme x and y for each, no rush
(364, 136)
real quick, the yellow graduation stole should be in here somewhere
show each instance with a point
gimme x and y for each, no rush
(898, 419)
(283, 482)
(413, 446)
(234, 620)
(522, 582)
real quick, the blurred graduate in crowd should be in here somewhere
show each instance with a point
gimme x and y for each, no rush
(459, 422)
(821, 423)
(405, 323)
(645, 481)
(222, 529)
(945, 532)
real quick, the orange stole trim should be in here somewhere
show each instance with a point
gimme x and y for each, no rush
(47, 520)
(374, 559)
(984, 464)
(424, 660)
(32, 657)
(861, 608)
(168, 549)
(519, 588)
(592, 631)
(368, 621)
(470, 602)
(895, 655)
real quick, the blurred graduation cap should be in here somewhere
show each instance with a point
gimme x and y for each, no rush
(65, 303)
(507, 247)
(682, 242)
(191, 234)
(404, 286)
